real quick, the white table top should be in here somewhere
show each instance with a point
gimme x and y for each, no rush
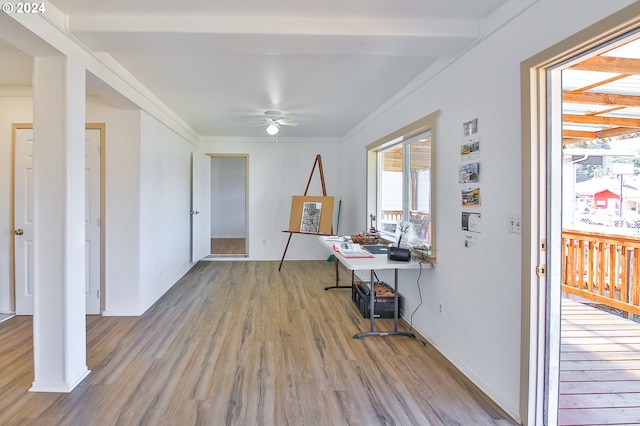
(378, 261)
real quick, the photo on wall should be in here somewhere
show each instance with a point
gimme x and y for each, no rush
(470, 148)
(469, 173)
(471, 222)
(471, 197)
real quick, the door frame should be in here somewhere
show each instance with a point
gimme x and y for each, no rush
(540, 328)
(103, 193)
(103, 138)
(246, 195)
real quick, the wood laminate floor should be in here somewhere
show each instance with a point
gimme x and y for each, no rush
(239, 343)
(228, 246)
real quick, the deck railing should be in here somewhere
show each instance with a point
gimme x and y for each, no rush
(602, 268)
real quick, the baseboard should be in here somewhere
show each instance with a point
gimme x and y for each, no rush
(122, 313)
(59, 387)
(162, 292)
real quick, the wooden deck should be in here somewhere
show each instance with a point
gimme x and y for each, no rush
(600, 367)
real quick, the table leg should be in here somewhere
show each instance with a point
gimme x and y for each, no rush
(395, 331)
(372, 301)
(335, 260)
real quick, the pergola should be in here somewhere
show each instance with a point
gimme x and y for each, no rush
(601, 95)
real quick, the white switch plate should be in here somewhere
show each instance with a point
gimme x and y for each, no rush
(514, 224)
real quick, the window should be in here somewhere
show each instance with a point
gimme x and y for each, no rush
(401, 182)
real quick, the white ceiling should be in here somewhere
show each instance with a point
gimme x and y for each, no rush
(219, 64)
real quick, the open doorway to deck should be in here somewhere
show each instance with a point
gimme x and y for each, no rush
(229, 205)
(557, 347)
(600, 334)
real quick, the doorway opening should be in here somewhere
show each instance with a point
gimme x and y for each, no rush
(229, 205)
(600, 235)
(542, 208)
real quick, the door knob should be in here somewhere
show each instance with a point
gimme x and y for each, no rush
(194, 212)
(18, 231)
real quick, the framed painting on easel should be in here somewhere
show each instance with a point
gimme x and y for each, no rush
(311, 215)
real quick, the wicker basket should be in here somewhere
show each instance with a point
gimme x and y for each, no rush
(366, 239)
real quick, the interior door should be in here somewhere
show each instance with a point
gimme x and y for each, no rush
(23, 220)
(200, 206)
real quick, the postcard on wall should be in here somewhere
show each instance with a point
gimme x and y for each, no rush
(470, 149)
(471, 222)
(471, 197)
(469, 173)
(470, 127)
(470, 241)
(311, 217)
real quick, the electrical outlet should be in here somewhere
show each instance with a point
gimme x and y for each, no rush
(514, 224)
(264, 242)
(441, 307)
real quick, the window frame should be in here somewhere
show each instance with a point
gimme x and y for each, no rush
(426, 124)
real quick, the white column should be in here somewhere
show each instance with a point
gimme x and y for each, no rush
(59, 322)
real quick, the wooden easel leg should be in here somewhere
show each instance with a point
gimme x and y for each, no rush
(285, 252)
(317, 161)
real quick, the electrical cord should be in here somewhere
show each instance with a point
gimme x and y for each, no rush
(419, 293)
(419, 304)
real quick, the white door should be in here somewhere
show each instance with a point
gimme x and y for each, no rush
(92, 220)
(200, 206)
(23, 221)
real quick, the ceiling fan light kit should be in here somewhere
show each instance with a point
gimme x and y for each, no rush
(273, 129)
(273, 122)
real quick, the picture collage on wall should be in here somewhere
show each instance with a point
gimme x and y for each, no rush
(468, 178)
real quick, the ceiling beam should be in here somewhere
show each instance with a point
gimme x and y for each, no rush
(578, 134)
(591, 135)
(601, 99)
(610, 64)
(601, 83)
(600, 120)
(618, 131)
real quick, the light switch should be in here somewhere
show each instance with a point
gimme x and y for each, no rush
(514, 224)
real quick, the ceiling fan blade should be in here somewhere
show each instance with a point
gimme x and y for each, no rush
(284, 122)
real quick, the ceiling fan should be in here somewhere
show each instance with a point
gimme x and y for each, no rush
(273, 121)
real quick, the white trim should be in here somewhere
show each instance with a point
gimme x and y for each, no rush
(59, 387)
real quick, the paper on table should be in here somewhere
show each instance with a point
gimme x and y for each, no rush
(351, 250)
(333, 238)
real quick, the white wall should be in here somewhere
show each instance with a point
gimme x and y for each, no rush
(228, 187)
(122, 206)
(479, 287)
(141, 261)
(278, 171)
(13, 109)
(122, 235)
(165, 220)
